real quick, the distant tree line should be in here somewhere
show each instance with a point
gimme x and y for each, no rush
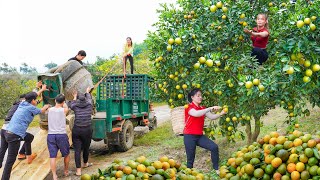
(15, 81)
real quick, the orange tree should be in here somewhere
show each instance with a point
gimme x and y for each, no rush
(202, 44)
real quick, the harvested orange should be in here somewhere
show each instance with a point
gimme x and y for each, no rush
(119, 174)
(295, 175)
(297, 142)
(291, 167)
(165, 165)
(249, 169)
(277, 176)
(164, 159)
(127, 170)
(312, 143)
(141, 168)
(273, 141)
(274, 134)
(276, 162)
(300, 166)
(269, 158)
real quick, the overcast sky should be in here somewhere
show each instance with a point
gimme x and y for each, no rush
(40, 31)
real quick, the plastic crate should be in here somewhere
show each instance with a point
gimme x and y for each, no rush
(133, 87)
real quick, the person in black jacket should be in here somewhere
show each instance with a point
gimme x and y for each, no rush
(14, 107)
(81, 131)
(79, 57)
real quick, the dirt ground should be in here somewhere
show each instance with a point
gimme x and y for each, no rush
(101, 157)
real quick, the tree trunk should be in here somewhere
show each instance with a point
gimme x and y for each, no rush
(249, 133)
(256, 129)
(253, 136)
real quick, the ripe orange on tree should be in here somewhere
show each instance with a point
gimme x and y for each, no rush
(288, 64)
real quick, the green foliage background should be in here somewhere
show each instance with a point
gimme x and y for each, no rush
(11, 87)
(205, 33)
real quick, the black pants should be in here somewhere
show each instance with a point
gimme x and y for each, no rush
(23, 149)
(81, 139)
(26, 146)
(260, 54)
(131, 62)
(11, 142)
(192, 141)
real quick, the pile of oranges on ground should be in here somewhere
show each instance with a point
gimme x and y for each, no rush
(143, 169)
(279, 157)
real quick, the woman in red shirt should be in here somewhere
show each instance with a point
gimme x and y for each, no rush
(193, 131)
(260, 37)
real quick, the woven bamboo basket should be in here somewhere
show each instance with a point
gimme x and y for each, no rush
(177, 120)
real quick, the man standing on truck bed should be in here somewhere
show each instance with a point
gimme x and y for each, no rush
(79, 57)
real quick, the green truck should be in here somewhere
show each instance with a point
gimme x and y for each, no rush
(121, 103)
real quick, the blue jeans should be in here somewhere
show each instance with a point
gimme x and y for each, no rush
(192, 141)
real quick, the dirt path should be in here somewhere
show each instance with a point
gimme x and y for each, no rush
(101, 157)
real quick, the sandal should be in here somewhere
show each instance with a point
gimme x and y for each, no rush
(31, 158)
(89, 164)
(21, 156)
(77, 174)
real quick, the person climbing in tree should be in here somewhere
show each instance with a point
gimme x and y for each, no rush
(260, 37)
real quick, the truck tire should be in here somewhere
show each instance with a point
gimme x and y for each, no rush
(78, 81)
(126, 137)
(68, 68)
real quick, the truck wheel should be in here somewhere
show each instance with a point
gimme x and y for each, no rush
(67, 69)
(153, 123)
(126, 137)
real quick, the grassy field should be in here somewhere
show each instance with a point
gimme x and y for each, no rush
(162, 141)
